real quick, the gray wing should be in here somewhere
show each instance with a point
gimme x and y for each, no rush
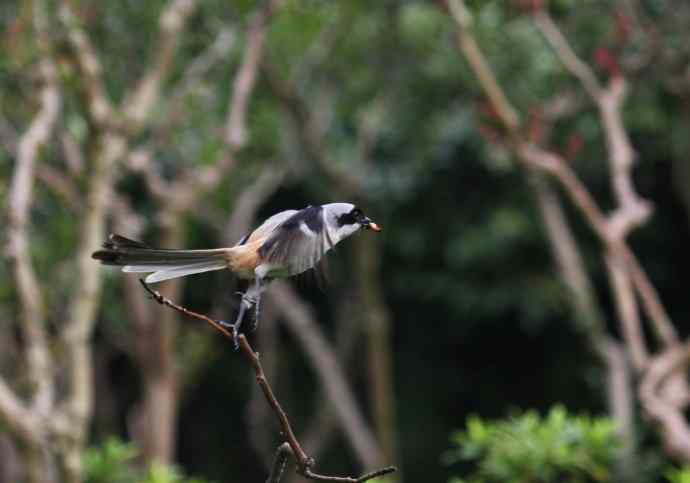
(267, 226)
(299, 242)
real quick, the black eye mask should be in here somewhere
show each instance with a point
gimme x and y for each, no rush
(350, 218)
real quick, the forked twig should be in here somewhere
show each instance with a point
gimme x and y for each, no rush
(291, 446)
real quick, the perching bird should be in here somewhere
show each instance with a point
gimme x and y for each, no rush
(286, 244)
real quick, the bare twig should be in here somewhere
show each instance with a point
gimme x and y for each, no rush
(304, 462)
(253, 357)
(348, 479)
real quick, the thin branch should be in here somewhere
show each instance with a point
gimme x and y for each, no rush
(564, 51)
(137, 104)
(650, 299)
(253, 358)
(304, 462)
(468, 45)
(555, 165)
(347, 479)
(626, 307)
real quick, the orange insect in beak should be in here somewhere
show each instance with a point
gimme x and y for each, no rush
(373, 226)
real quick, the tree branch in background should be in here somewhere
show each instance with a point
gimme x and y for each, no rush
(98, 103)
(235, 129)
(668, 411)
(625, 272)
(137, 104)
(632, 211)
(31, 303)
(111, 143)
(27, 420)
(304, 462)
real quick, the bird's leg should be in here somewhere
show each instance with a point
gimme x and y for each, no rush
(256, 294)
(246, 302)
(251, 297)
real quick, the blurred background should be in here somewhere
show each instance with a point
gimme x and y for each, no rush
(522, 316)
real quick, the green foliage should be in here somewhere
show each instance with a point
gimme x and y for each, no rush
(531, 448)
(679, 475)
(110, 463)
(115, 462)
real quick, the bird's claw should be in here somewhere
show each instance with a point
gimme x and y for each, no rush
(234, 330)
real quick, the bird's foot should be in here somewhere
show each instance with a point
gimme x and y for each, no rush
(234, 330)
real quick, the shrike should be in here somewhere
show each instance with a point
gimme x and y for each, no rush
(286, 244)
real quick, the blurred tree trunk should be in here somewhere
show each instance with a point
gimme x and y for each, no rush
(376, 321)
(590, 320)
(156, 419)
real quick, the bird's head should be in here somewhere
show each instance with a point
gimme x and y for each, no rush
(344, 219)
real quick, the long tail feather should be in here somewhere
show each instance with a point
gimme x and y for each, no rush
(137, 257)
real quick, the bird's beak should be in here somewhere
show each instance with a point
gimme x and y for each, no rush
(371, 225)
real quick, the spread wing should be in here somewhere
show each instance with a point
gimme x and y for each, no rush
(267, 226)
(299, 242)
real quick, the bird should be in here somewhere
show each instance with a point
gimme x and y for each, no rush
(284, 245)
